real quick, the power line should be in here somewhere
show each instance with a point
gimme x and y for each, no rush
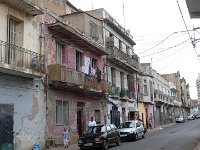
(152, 42)
(172, 53)
(163, 41)
(171, 61)
(159, 37)
(188, 31)
(166, 49)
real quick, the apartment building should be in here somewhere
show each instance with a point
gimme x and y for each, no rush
(120, 70)
(198, 87)
(175, 79)
(146, 107)
(185, 97)
(74, 52)
(163, 105)
(22, 95)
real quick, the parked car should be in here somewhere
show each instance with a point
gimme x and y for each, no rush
(132, 130)
(190, 117)
(100, 136)
(197, 116)
(180, 119)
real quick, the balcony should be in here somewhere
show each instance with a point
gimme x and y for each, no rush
(19, 61)
(124, 94)
(25, 6)
(65, 78)
(122, 59)
(116, 91)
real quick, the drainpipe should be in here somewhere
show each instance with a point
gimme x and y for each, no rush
(44, 52)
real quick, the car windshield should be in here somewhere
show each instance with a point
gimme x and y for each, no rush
(96, 129)
(180, 116)
(127, 125)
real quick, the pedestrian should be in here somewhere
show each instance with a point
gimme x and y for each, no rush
(65, 138)
(92, 122)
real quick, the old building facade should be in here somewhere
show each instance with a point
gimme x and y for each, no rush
(120, 70)
(76, 89)
(22, 93)
(147, 105)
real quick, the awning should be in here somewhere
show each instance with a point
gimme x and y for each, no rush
(130, 106)
(135, 109)
(114, 101)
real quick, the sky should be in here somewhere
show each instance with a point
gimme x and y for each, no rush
(160, 33)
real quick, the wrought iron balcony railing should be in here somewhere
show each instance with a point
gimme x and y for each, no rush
(20, 57)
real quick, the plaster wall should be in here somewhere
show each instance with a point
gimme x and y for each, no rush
(28, 99)
(28, 28)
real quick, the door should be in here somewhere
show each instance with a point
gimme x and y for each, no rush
(115, 117)
(80, 118)
(6, 127)
(157, 116)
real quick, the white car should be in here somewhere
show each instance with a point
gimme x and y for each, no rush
(132, 130)
(190, 117)
(180, 119)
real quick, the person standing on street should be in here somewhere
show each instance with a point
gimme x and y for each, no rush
(65, 138)
(92, 122)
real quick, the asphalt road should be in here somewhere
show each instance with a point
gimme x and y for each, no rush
(181, 136)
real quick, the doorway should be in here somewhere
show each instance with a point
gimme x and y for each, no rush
(6, 126)
(80, 118)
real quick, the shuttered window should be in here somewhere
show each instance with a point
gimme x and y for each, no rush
(62, 112)
(59, 53)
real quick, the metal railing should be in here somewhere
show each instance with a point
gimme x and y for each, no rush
(113, 51)
(21, 57)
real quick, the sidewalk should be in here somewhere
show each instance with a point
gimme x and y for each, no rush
(71, 147)
(160, 127)
(75, 146)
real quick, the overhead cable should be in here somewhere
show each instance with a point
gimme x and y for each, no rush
(166, 49)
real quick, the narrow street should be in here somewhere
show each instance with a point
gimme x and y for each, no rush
(182, 136)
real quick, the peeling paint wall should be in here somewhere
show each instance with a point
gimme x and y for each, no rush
(27, 97)
(28, 29)
(90, 105)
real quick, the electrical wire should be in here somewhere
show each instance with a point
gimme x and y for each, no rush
(186, 45)
(188, 31)
(163, 41)
(156, 42)
(171, 61)
(166, 49)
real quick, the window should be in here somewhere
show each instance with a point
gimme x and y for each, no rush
(129, 51)
(123, 47)
(145, 90)
(93, 63)
(62, 109)
(98, 116)
(108, 35)
(116, 42)
(12, 40)
(58, 53)
(145, 87)
(78, 60)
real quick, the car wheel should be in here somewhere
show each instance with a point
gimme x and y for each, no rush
(81, 148)
(143, 135)
(136, 136)
(105, 145)
(118, 142)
